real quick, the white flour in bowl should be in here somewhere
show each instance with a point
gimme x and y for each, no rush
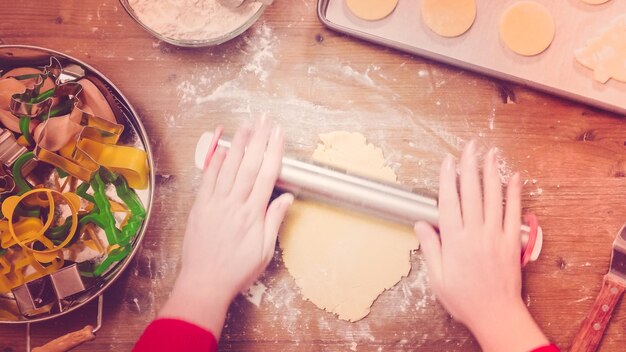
(192, 19)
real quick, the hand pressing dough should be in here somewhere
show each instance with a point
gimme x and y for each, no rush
(343, 260)
(606, 54)
(449, 18)
(527, 28)
(371, 10)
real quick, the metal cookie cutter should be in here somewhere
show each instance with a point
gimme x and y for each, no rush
(9, 149)
(46, 293)
(7, 184)
(134, 134)
(26, 103)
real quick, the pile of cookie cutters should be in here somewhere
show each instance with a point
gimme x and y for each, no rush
(56, 290)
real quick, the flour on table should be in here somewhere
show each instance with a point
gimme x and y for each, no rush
(343, 260)
(254, 294)
(192, 19)
(228, 90)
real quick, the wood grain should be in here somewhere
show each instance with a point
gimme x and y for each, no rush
(573, 158)
(69, 341)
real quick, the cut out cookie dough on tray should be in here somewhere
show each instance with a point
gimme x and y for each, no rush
(449, 18)
(606, 53)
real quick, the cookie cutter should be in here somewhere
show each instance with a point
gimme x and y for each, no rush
(46, 292)
(96, 137)
(27, 103)
(134, 134)
(9, 149)
(95, 145)
(44, 255)
(7, 185)
(19, 270)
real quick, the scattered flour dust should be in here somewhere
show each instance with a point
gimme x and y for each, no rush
(245, 85)
(192, 19)
(537, 190)
(504, 169)
(492, 119)
(254, 294)
(253, 90)
(261, 48)
(280, 294)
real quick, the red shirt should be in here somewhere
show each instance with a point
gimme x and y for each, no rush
(175, 335)
(178, 335)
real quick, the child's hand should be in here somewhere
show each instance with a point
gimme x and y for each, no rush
(474, 266)
(231, 231)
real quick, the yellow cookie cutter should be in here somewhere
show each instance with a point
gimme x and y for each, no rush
(90, 142)
(96, 147)
(13, 274)
(26, 229)
(59, 131)
(129, 162)
(72, 200)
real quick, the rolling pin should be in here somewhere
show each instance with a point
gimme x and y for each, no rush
(322, 183)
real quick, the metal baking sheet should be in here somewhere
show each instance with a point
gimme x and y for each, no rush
(554, 71)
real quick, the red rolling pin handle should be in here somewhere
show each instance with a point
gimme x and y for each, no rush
(531, 221)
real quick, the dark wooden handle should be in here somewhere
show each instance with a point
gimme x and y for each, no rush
(69, 341)
(592, 329)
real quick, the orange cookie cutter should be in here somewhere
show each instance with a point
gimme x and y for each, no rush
(8, 209)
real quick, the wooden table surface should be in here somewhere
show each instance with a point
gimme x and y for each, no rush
(313, 80)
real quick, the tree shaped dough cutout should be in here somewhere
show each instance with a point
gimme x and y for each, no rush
(606, 54)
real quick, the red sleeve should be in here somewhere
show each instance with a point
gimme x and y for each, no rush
(549, 348)
(175, 335)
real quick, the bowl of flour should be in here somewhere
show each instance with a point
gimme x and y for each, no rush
(193, 23)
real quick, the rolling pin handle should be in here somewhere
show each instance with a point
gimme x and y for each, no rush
(532, 239)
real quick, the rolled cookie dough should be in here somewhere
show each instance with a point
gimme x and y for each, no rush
(606, 54)
(371, 10)
(343, 260)
(350, 151)
(527, 28)
(449, 18)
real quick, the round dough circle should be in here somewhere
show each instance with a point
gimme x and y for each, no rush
(449, 18)
(527, 28)
(595, 2)
(371, 10)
